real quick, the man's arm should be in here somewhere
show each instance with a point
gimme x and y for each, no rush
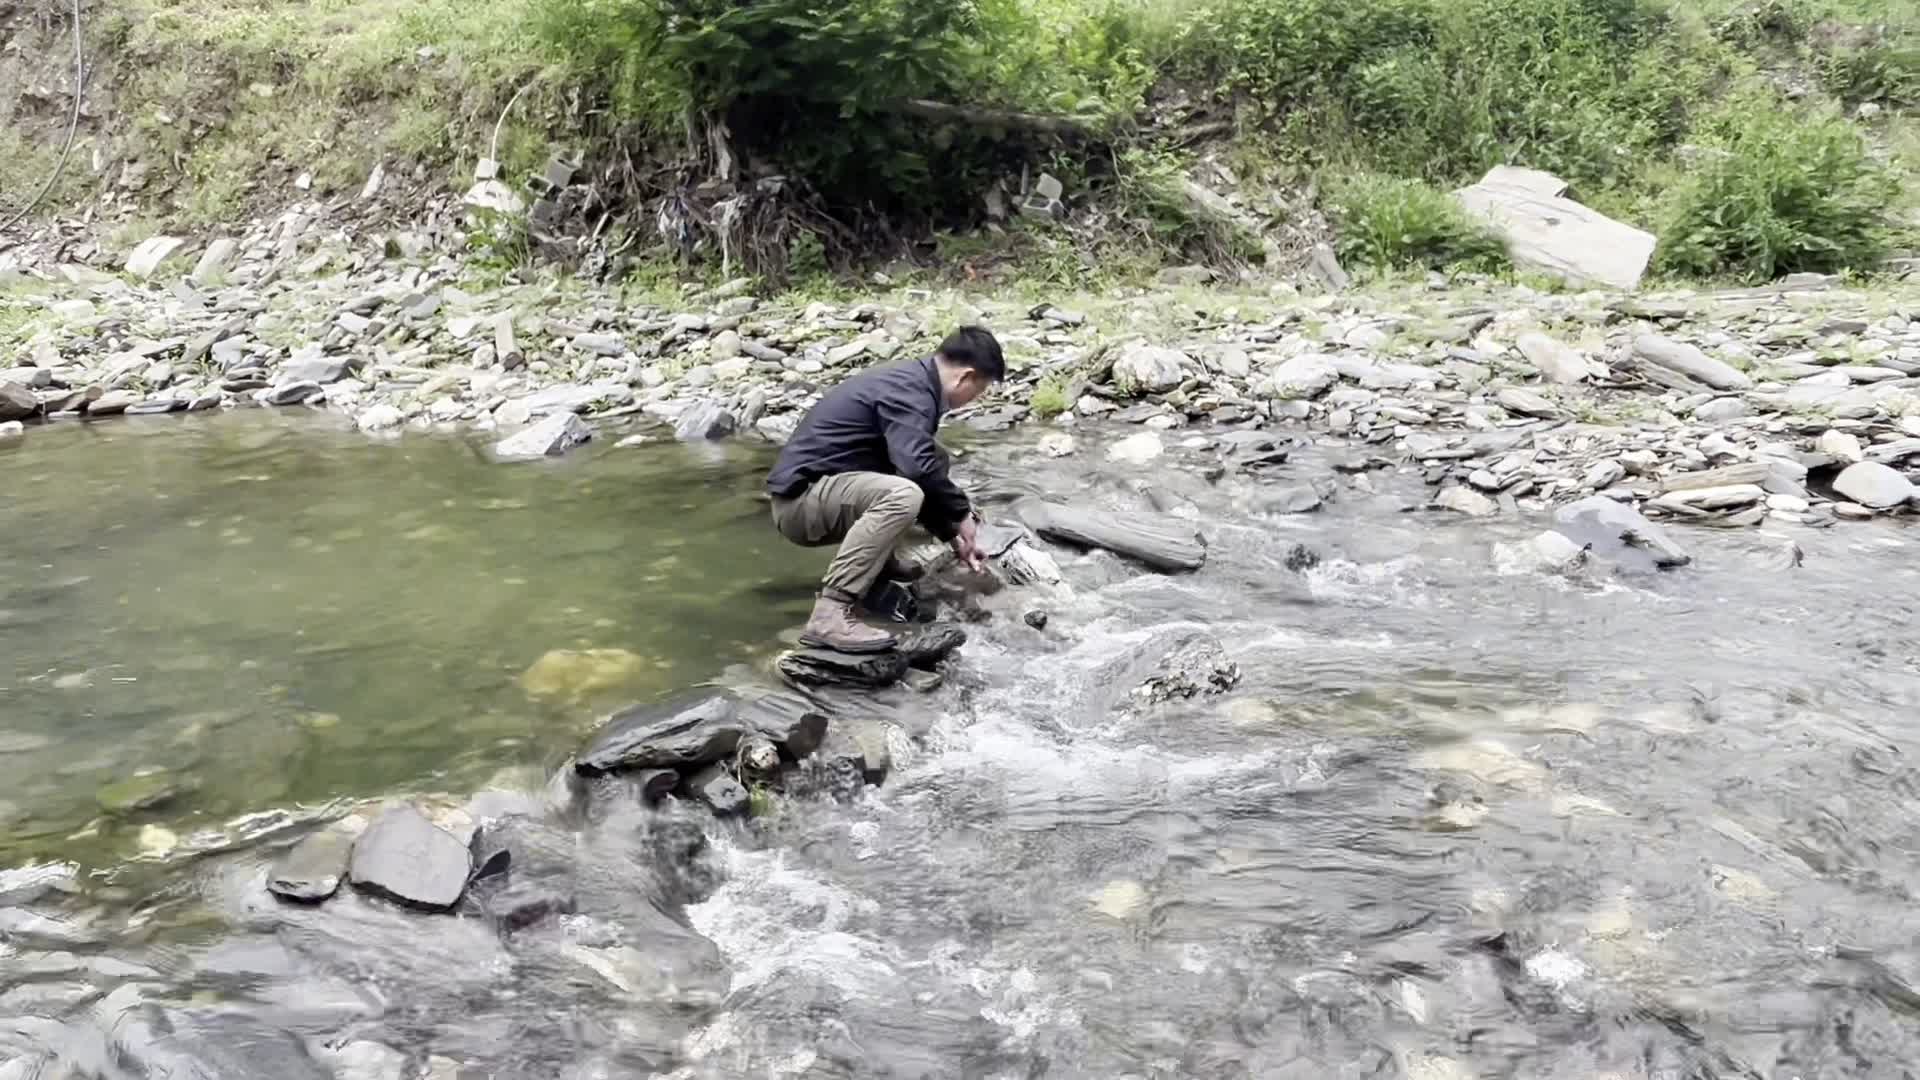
(916, 457)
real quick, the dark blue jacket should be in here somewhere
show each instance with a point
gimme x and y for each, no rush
(881, 420)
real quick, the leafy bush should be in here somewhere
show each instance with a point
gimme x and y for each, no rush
(1780, 191)
(1390, 223)
(1883, 73)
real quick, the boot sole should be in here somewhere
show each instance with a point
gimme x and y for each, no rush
(813, 642)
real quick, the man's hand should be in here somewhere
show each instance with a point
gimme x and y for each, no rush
(967, 547)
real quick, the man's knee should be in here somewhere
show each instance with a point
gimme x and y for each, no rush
(902, 499)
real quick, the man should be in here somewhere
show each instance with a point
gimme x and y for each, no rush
(862, 467)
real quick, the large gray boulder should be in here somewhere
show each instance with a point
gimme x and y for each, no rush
(405, 858)
(1619, 533)
(1149, 369)
(682, 733)
(1873, 485)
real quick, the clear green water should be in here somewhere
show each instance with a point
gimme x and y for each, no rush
(273, 611)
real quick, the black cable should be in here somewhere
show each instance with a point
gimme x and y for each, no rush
(73, 128)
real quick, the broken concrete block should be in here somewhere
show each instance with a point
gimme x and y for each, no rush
(1049, 188)
(152, 251)
(1558, 236)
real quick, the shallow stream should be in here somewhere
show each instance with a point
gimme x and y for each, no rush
(1456, 820)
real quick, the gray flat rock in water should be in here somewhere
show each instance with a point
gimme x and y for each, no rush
(407, 859)
(681, 733)
(793, 724)
(311, 871)
(705, 420)
(1874, 485)
(1618, 533)
(557, 434)
(824, 667)
(1160, 542)
(721, 793)
(1292, 499)
(931, 644)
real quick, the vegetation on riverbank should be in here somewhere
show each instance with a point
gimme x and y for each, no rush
(1756, 138)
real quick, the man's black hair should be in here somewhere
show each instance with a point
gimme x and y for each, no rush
(975, 347)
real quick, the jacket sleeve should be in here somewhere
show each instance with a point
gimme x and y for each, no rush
(915, 456)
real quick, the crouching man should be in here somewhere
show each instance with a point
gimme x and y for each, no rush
(862, 467)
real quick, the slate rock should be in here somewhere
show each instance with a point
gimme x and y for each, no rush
(719, 791)
(1873, 485)
(323, 370)
(824, 667)
(704, 420)
(405, 858)
(1035, 619)
(297, 392)
(1150, 369)
(928, 645)
(552, 436)
(1556, 361)
(1194, 666)
(312, 869)
(793, 725)
(1690, 362)
(1465, 500)
(1300, 378)
(1618, 533)
(1292, 499)
(17, 402)
(653, 785)
(681, 733)
(537, 877)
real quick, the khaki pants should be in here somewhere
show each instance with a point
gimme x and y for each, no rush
(865, 513)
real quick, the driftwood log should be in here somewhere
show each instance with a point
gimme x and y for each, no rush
(1162, 543)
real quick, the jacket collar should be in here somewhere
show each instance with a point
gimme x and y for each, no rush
(932, 366)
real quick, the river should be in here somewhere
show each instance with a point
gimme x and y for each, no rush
(1456, 819)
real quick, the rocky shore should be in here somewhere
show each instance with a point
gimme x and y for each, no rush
(1795, 402)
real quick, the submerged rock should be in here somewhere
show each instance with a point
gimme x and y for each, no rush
(704, 420)
(537, 877)
(792, 724)
(555, 435)
(681, 733)
(577, 673)
(405, 858)
(1160, 542)
(1195, 666)
(1618, 533)
(719, 791)
(929, 645)
(312, 869)
(143, 792)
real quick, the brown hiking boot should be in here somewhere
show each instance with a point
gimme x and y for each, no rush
(834, 627)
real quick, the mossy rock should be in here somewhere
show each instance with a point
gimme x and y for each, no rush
(136, 793)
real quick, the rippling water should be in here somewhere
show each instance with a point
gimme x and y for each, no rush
(1454, 821)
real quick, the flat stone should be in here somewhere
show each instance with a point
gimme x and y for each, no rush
(1525, 402)
(1150, 369)
(1465, 500)
(1689, 361)
(1729, 497)
(824, 667)
(147, 257)
(1841, 445)
(17, 401)
(683, 732)
(294, 393)
(1556, 235)
(405, 858)
(718, 791)
(704, 420)
(1549, 552)
(601, 344)
(1722, 409)
(551, 437)
(312, 869)
(215, 261)
(1136, 449)
(112, 403)
(1292, 499)
(1556, 361)
(1300, 378)
(1618, 533)
(1874, 486)
(929, 645)
(789, 721)
(323, 371)
(136, 793)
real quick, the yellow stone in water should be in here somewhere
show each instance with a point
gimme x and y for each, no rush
(320, 721)
(1485, 760)
(1570, 804)
(1741, 886)
(1251, 713)
(78, 680)
(1119, 899)
(575, 673)
(1436, 1067)
(157, 842)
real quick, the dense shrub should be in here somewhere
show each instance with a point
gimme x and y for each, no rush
(1388, 224)
(1778, 191)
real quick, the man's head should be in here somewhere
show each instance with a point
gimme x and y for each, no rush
(969, 361)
